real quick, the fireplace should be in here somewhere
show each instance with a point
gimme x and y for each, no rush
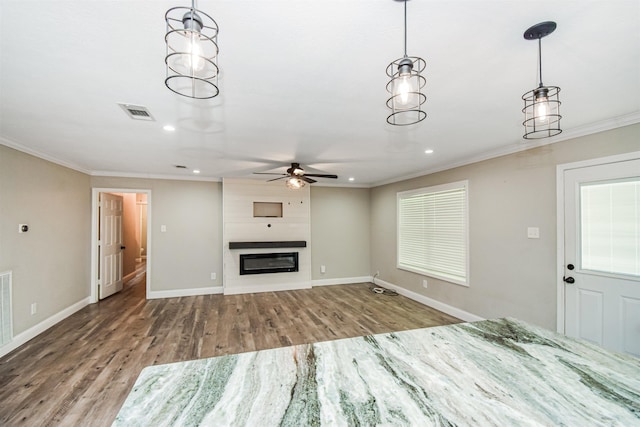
(268, 263)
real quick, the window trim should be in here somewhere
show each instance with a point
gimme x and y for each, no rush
(435, 189)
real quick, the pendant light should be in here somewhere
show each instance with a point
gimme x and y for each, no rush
(542, 104)
(406, 86)
(192, 52)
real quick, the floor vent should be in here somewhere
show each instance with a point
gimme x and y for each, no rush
(137, 112)
(6, 328)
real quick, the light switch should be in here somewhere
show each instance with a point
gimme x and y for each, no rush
(163, 228)
(533, 233)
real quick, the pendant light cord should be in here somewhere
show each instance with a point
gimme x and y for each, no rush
(405, 28)
(540, 58)
(192, 11)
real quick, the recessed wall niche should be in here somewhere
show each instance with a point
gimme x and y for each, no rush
(267, 209)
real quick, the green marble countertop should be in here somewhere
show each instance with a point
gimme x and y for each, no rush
(491, 373)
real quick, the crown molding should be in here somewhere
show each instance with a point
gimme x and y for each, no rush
(19, 147)
(154, 176)
(519, 146)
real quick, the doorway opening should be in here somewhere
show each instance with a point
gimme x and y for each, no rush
(120, 241)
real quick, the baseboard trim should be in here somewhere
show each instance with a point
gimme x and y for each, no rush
(445, 308)
(266, 288)
(341, 281)
(36, 330)
(176, 293)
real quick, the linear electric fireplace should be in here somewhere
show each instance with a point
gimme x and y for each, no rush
(268, 263)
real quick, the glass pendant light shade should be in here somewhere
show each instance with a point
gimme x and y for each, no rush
(405, 86)
(192, 51)
(542, 112)
(542, 104)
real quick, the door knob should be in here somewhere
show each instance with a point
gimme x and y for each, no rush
(123, 247)
(569, 279)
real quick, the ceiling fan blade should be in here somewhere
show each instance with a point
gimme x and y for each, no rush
(270, 173)
(275, 179)
(321, 175)
(309, 180)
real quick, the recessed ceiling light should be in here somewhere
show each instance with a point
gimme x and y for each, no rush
(429, 151)
(196, 171)
(351, 178)
(169, 128)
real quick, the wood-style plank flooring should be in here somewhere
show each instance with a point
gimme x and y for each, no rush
(79, 372)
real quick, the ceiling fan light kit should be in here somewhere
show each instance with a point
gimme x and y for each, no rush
(192, 52)
(295, 183)
(542, 104)
(405, 86)
(296, 176)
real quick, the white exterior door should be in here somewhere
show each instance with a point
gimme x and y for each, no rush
(110, 245)
(602, 255)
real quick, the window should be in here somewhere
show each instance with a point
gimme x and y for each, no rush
(610, 226)
(433, 232)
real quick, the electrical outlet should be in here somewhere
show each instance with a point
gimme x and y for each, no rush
(424, 283)
(213, 276)
(34, 308)
(323, 269)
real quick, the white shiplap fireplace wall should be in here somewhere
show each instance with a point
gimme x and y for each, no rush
(240, 225)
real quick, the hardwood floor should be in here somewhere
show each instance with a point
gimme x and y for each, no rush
(80, 371)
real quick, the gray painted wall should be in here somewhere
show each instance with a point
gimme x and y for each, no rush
(510, 275)
(51, 262)
(340, 232)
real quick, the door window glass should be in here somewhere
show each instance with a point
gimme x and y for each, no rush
(610, 226)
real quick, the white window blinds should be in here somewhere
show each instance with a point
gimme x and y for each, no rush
(433, 232)
(610, 227)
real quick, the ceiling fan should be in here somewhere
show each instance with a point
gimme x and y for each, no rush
(296, 176)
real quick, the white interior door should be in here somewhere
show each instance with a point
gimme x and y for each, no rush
(110, 245)
(602, 255)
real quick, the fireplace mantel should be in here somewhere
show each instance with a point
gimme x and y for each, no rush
(272, 244)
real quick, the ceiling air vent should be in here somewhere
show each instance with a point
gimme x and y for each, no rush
(137, 112)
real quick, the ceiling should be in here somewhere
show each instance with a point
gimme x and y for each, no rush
(305, 81)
